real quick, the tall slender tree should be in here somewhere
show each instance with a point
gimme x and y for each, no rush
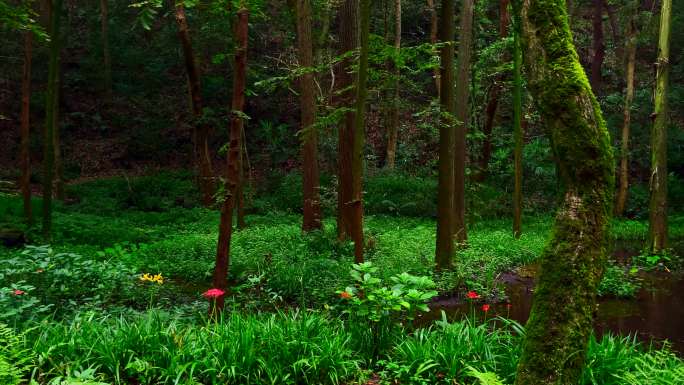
(493, 100)
(444, 250)
(434, 32)
(220, 279)
(106, 54)
(630, 64)
(658, 205)
(465, 48)
(24, 156)
(50, 112)
(359, 131)
(201, 128)
(517, 122)
(349, 41)
(392, 123)
(599, 46)
(560, 323)
(310, 174)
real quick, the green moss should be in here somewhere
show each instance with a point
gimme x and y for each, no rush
(573, 262)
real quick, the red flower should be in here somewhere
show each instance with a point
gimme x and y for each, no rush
(213, 293)
(472, 295)
(18, 292)
(508, 306)
(345, 295)
(485, 308)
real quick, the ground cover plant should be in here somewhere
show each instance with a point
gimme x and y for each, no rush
(348, 192)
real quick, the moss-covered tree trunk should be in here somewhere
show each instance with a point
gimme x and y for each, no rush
(220, 279)
(572, 264)
(444, 250)
(517, 122)
(630, 63)
(349, 41)
(360, 131)
(658, 204)
(24, 156)
(200, 128)
(50, 112)
(465, 49)
(309, 134)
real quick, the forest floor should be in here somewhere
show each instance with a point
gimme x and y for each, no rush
(103, 241)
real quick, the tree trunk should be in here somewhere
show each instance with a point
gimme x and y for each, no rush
(24, 156)
(393, 116)
(434, 31)
(517, 125)
(240, 210)
(349, 41)
(104, 16)
(201, 129)
(493, 101)
(630, 62)
(220, 280)
(444, 251)
(56, 136)
(309, 134)
(462, 115)
(50, 112)
(599, 46)
(360, 132)
(658, 206)
(572, 264)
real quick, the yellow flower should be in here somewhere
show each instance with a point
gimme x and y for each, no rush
(152, 278)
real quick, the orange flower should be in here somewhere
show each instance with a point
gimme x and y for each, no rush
(345, 295)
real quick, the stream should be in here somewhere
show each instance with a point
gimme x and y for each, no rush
(655, 315)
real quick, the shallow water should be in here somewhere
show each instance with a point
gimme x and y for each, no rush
(655, 315)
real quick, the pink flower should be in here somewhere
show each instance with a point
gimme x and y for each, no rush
(485, 308)
(472, 295)
(213, 293)
(18, 292)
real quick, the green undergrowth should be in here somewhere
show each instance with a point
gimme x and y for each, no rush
(297, 347)
(153, 225)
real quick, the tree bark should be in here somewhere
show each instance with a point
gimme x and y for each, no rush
(24, 155)
(517, 125)
(434, 31)
(349, 41)
(360, 132)
(309, 134)
(220, 279)
(201, 129)
(393, 116)
(444, 250)
(104, 16)
(630, 62)
(463, 117)
(50, 111)
(658, 205)
(572, 264)
(599, 46)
